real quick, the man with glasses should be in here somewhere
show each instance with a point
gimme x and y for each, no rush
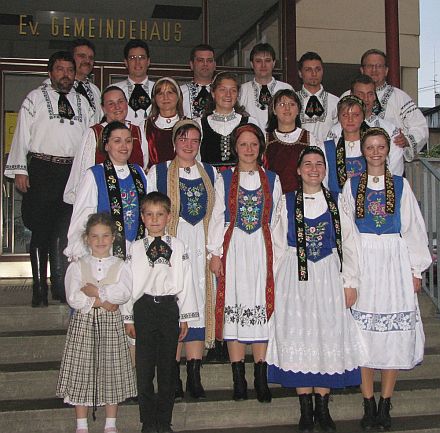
(137, 87)
(197, 93)
(394, 104)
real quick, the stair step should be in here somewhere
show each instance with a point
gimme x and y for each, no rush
(192, 416)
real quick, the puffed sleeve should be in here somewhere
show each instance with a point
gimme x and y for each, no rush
(216, 228)
(413, 231)
(276, 197)
(279, 232)
(351, 246)
(144, 146)
(152, 179)
(85, 204)
(73, 283)
(120, 292)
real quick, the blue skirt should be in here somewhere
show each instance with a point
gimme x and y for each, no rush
(290, 379)
(195, 334)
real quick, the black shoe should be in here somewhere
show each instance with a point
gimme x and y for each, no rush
(36, 295)
(44, 290)
(306, 423)
(322, 414)
(239, 378)
(260, 382)
(383, 420)
(148, 428)
(219, 353)
(193, 381)
(368, 421)
(165, 428)
(178, 393)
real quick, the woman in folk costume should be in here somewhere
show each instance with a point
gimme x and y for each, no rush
(115, 187)
(240, 244)
(314, 343)
(343, 146)
(190, 186)
(394, 254)
(220, 119)
(166, 110)
(96, 368)
(285, 139)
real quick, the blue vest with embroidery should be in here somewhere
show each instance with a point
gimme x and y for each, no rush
(193, 195)
(353, 166)
(376, 220)
(130, 203)
(320, 233)
(250, 203)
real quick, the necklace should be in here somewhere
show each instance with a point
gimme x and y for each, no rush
(286, 134)
(223, 117)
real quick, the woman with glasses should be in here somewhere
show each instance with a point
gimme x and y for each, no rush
(285, 139)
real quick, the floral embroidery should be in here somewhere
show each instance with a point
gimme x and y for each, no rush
(377, 322)
(245, 316)
(249, 203)
(376, 208)
(354, 167)
(130, 205)
(314, 237)
(193, 194)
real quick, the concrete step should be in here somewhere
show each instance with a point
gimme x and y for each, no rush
(215, 413)
(38, 380)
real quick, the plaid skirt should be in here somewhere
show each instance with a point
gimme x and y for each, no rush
(96, 367)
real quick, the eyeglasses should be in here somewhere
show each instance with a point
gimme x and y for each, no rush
(376, 66)
(140, 57)
(286, 104)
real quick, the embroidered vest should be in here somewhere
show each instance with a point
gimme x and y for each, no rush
(249, 209)
(376, 219)
(354, 166)
(136, 157)
(160, 143)
(130, 204)
(282, 158)
(320, 234)
(215, 149)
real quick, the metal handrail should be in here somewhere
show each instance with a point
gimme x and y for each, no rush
(424, 178)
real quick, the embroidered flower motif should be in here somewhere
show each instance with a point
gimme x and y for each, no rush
(314, 237)
(388, 322)
(129, 205)
(354, 167)
(244, 315)
(250, 208)
(193, 195)
(377, 209)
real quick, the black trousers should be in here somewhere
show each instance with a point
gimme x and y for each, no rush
(157, 333)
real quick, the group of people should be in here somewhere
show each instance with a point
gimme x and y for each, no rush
(217, 212)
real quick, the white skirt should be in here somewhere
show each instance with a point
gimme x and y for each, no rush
(245, 292)
(387, 309)
(311, 331)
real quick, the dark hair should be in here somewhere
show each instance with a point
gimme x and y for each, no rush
(307, 151)
(60, 55)
(200, 47)
(373, 51)
(136, 43)
(272, 121)
(262, 48)
(111, 89)
(361, 79)
(107, 132)
(156, 197)
(103, 218)
(155, 111)
(349, 101)
(310, 55)
(80, 42)
(254, 129)
(374, 132)
(216, 82)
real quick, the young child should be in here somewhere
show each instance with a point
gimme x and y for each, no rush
(162, 296)
(96, 368)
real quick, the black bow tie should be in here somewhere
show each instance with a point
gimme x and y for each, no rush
(377, 107)
(265, 97)
(314, 107)
(159, 251)
(80, 88)
(202, 100)
(65, 110)
(139, 99)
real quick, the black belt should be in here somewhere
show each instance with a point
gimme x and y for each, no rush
(161, 299)
(55, 159)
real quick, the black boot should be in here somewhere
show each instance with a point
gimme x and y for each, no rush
(368, 421)
(58, 267)
(193, 381)
(260, 382)
(38, 257)
(322, 414)
(306, 423)
(239, 378)
(383, 414)
(178, 394)
(219, 353)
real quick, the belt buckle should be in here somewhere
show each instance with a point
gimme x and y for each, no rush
(155, 300)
